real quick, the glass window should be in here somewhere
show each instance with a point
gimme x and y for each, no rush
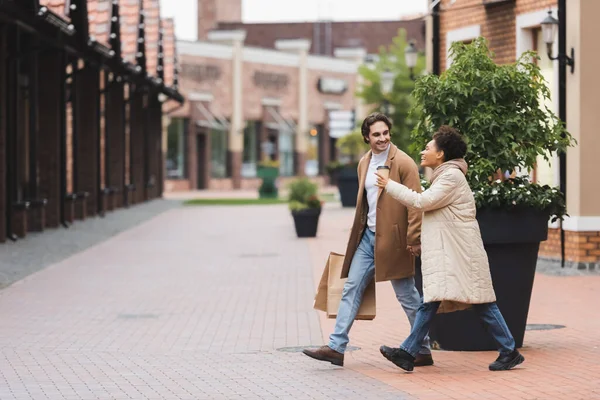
(218, 153)
(250, 150)
(286, 153)
(311, 167)
(176, 148)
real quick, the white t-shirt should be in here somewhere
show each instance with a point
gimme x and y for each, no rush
(372, 190)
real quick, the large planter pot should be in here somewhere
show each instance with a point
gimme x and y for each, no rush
(268, 188)
(511, 240)
(348, 186)
(306, 222)
(333, 177)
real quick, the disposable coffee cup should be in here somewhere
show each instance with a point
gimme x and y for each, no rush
(384, 171)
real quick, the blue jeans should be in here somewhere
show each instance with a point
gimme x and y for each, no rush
(489, 314)
(362, 271)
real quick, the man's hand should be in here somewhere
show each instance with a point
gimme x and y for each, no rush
(414, 250)
(381, 180)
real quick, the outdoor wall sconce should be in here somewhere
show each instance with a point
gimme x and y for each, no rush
(410, 57)
(549, 31)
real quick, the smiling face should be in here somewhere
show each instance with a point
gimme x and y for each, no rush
(379, 137)
(432, 157)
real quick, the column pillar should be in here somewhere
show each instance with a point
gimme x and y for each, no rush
(3, 132)
(115, 132)
(87, 97)
(51, 74)
(301, 48)
(582, 228)
(136, 143)
(235, 142)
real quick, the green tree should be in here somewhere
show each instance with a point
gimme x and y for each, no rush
(501, 112)
(400, 100)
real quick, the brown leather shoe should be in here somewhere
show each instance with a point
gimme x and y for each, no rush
(423, 360)
(326, 353)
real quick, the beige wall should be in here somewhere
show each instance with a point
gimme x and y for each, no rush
(253, 94)
(583, 117)
(221, 88)
(317, 100)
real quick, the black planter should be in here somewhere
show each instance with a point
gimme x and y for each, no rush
(333, 177)
(348, 186)
(306, 222)
(511, 240)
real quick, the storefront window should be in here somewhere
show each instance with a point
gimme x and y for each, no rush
(250, 150)
(312, 155)
(286, 153)
(176, 148)
(218, 153)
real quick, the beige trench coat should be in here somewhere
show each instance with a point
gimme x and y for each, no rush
(397, 227)
(454, 262)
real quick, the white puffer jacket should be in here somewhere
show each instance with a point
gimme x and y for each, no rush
(453, 260)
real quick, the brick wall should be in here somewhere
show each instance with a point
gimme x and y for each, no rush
(498, 26)
(498, 23)
(582, 249)
(326, 37)
(207, 17)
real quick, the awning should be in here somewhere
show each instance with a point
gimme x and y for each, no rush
(211, 119)
(281, 123)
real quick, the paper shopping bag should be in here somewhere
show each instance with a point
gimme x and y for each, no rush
(329, 292)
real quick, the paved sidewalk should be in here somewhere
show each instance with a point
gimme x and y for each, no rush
(215, 302)
(560, 364)
(38, 250)
(193, 304)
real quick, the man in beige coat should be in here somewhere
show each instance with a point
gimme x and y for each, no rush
(384, 240)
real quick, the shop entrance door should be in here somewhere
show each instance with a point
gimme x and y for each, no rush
(201, 160)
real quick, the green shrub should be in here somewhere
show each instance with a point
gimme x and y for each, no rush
(303, 194)
(501, 112)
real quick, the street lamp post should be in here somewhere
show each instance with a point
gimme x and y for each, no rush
(550, 27)
(410, 57)
(387, 84)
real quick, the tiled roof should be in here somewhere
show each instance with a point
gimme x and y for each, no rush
(130, 16)
(57, 7)
(99, 14)
(169, 46)
(152, 10)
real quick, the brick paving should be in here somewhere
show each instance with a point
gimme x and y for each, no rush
(198, 302)
(39, 250)
(192, 304)
(560, 364)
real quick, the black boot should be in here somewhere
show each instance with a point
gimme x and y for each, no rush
(506, 362)
(399, 357)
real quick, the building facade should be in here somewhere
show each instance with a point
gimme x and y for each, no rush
(283, 92)
(247, 105)
(81, 100)
(512, 27)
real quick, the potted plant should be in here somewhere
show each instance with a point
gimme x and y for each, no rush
(353, 147)
(268, 171)
(305, 205)
(501, 111)
(333, 169)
